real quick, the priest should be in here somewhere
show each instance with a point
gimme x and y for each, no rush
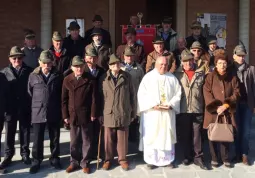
(159, 96)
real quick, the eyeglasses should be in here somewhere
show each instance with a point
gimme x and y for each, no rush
(16, 58)
(198, 50)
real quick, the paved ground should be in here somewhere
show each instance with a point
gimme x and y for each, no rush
(138, 167)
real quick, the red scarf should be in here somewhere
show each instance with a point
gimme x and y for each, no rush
(57, 54)
(190, 73)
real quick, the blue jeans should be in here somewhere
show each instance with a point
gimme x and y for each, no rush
(243, 122)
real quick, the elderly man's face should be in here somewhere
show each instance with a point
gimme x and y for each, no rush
(129, 59)
(115, 68)
(196, 31)
(188, 65)
(31, 43)
(91, 60)
(97, 39)
(78, 70)
(240, 59)
(75, 33)
(197, 52)
(16, 61)
(97, 24)
(57, 44)
(159, 48)
(46, 67)
(181, 43)
(130, 38)
(212, 46)
(161, 65)
(166, 26)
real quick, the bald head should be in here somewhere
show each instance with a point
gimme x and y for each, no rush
(161, 64)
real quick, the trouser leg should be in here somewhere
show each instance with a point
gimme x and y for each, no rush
(54, 134)
(197, 139)
(184, 122)
(122, 143)
(24, 132)
(86, 134)
(10, 130)
(38, 145)
(75, 143)
(110, 137)
(213, 150)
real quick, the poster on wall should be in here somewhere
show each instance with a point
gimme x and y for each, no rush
(214, 24)
(80, 22)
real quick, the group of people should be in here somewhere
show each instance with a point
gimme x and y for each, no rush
(156, 100)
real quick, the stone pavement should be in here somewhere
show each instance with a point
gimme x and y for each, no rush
(137, 166)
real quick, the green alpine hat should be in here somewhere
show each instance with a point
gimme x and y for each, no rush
(57, 36)
(91, 52)
(186, 55)
(129, 51)
(196, 45)
(240, 50)
(77, 61)
(113, 59)
(157, 40)
(196, 24)
(46, 57)
(16, 51)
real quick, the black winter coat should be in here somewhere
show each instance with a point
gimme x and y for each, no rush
(19, 101)
(74, 47)
(64, 62)
(4, 96)
(46, 96)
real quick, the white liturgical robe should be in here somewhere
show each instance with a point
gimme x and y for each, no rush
(157, 127)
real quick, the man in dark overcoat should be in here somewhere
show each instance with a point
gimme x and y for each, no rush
(44, 86)
(17, 74)
(79, 99)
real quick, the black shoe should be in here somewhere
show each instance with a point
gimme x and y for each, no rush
(171, 165)
(151, 166)
(201, 164)
(237, 159)
(214, 164)
(2, 170)
(34, 168)
(228, 165)
(6, 162)
(26, 160)
(56, 164)
(186, 162)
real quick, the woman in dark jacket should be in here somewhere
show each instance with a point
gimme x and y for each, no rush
(221, 92)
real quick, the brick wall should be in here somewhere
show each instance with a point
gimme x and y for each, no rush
(16, 15)
(229, 7)
(85, 9)
(252, 33)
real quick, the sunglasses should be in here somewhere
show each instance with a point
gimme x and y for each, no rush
(16, 58)
(198, 50)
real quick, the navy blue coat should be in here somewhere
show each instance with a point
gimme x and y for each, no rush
(46, 96)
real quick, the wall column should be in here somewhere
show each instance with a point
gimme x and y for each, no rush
(112, 23)
(244, 24)
(46, 23)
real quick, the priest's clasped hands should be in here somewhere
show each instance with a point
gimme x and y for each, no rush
(162, 107)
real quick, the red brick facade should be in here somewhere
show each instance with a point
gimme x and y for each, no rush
(15, 16)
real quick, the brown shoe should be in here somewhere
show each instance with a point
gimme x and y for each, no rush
(245, 160)
(124, 166)
(71, 168)
(86, 170)
(106, 165)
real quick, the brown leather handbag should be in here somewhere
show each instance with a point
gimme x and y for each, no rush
(221, 132)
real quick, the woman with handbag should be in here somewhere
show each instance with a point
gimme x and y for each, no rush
(221, 92)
